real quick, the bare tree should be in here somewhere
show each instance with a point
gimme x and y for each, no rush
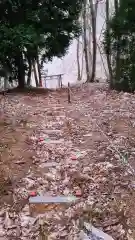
(90, 17)
(78, 61)
(93, 11)
(88, 21)
(80, 50)
(85, 41)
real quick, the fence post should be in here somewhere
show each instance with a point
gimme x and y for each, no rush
(60, 81)
(69, 97)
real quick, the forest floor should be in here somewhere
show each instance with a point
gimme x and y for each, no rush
(85, 148)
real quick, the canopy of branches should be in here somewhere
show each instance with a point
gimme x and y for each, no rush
(31, 27)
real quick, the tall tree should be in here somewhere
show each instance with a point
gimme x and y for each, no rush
(108, 44)
(122, 36)
(85, 34)
(117, 75)
(93, 10)
(78, 60)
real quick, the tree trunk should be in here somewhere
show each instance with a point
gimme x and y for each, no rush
(21, 71)
(29, 72)
(78, 62)
(94, 39)
(35, 74)
(81, 74)
(5, 83)
(108, 46)
(85, 41)
(116, 5)
(39, 72)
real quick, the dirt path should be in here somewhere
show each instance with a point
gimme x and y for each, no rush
(56, 148)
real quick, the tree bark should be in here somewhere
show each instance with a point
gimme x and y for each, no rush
(116, 5)
(78, 62)
(39, 71)
(94, 39)
(5, 83)
(108, 46)
(35, 74)
(21, 71)
(29, 72)
(81, 73)
(85, 41)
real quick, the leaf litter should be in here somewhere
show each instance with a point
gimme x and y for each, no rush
(84, 149)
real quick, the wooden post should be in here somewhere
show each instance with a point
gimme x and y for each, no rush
(45, 82)
(60, 81)
(69, 97)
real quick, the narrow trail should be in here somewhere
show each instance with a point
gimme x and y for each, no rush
(56, 148)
